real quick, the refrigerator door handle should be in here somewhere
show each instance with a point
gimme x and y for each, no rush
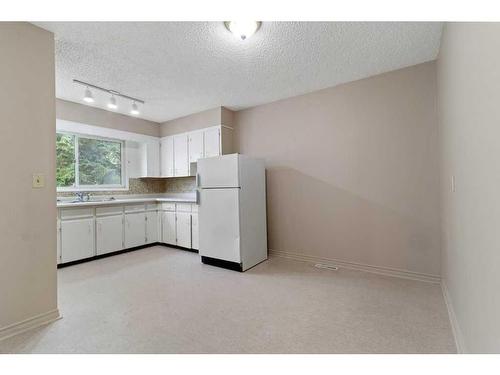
(197, 180)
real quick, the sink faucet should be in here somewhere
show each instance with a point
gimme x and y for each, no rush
(79, 195)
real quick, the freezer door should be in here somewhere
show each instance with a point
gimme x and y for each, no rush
(218, 172)
(219, 227)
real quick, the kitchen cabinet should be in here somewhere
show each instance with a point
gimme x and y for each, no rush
(152, 227)
(183, 229)
(109, 235)
(195, 242)
(143, 159)
(86, 232)
(134, 163)
(167, 157)
(152, 157)
(77, 239)
(168, 227)
(135, 229)
(181, 158)
(179, 152)
(58, 236)
(196, 149)
(212, 141)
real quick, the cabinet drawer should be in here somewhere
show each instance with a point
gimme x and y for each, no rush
(168, 206)
(111, 210)
(151, 207)
(194, 208)
(135, 207)
(183, 207)
(76, 213)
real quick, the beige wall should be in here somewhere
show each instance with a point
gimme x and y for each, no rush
(27, 145)
(469, 111)
(352, 171)
(70, 111)
(200, 120)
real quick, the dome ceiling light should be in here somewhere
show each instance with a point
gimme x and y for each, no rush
(243, 29)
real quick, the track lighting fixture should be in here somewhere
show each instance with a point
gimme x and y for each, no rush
(112, 103)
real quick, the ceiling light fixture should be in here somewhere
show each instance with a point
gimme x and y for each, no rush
(112, 104)
(135, 110)
(243, 29)
(87, 97)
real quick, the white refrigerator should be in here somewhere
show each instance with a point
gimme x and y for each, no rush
(232, 211)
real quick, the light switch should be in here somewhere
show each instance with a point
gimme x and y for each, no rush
(38, 180)
(452, 184)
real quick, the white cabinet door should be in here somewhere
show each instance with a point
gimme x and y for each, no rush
(167, 157)
(152, 224)
(181, 160)
(195, 241)
(183, 229)
(135, 229)
(212, 142)
(109, 236)
(77, 239)
(134, 159)
(168, 227)
(153, 159)
(195, 146)
(58, 241)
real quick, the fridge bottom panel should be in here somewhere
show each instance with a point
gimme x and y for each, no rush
(222, 263)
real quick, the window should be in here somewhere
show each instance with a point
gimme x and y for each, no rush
(89, 163)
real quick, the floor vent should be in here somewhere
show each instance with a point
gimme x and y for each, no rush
(321, 265)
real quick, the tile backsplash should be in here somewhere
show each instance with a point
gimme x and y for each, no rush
(180, 185)
(149, 186)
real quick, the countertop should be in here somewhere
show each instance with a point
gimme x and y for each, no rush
(66, 203)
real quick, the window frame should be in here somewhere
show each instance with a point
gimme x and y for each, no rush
(77, 187)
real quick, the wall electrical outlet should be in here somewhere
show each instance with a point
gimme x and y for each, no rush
(38, 180)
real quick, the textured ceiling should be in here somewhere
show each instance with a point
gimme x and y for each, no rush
(180, 68)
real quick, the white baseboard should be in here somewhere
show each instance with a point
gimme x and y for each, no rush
(26, 325)
(457, 332)
(360, 267)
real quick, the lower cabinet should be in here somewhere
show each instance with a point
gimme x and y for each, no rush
(135, 229)
(87, 232)
(195, 242)
(152, 227)
(109, 236)
(183, 229)
(168, 235)
(77, 239)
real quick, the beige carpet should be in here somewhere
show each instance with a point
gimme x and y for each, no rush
(162, 300)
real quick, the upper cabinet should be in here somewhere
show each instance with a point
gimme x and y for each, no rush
(181, 158)
(196, 149)
(167, 156)
(212, 142)
(178, 152)
(143, 158)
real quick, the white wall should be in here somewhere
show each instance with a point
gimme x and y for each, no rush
(352, 170)
(469, 121)
(28, 277)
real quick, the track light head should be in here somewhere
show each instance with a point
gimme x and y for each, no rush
(112, 103)
(135, 110)
(87, 97)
